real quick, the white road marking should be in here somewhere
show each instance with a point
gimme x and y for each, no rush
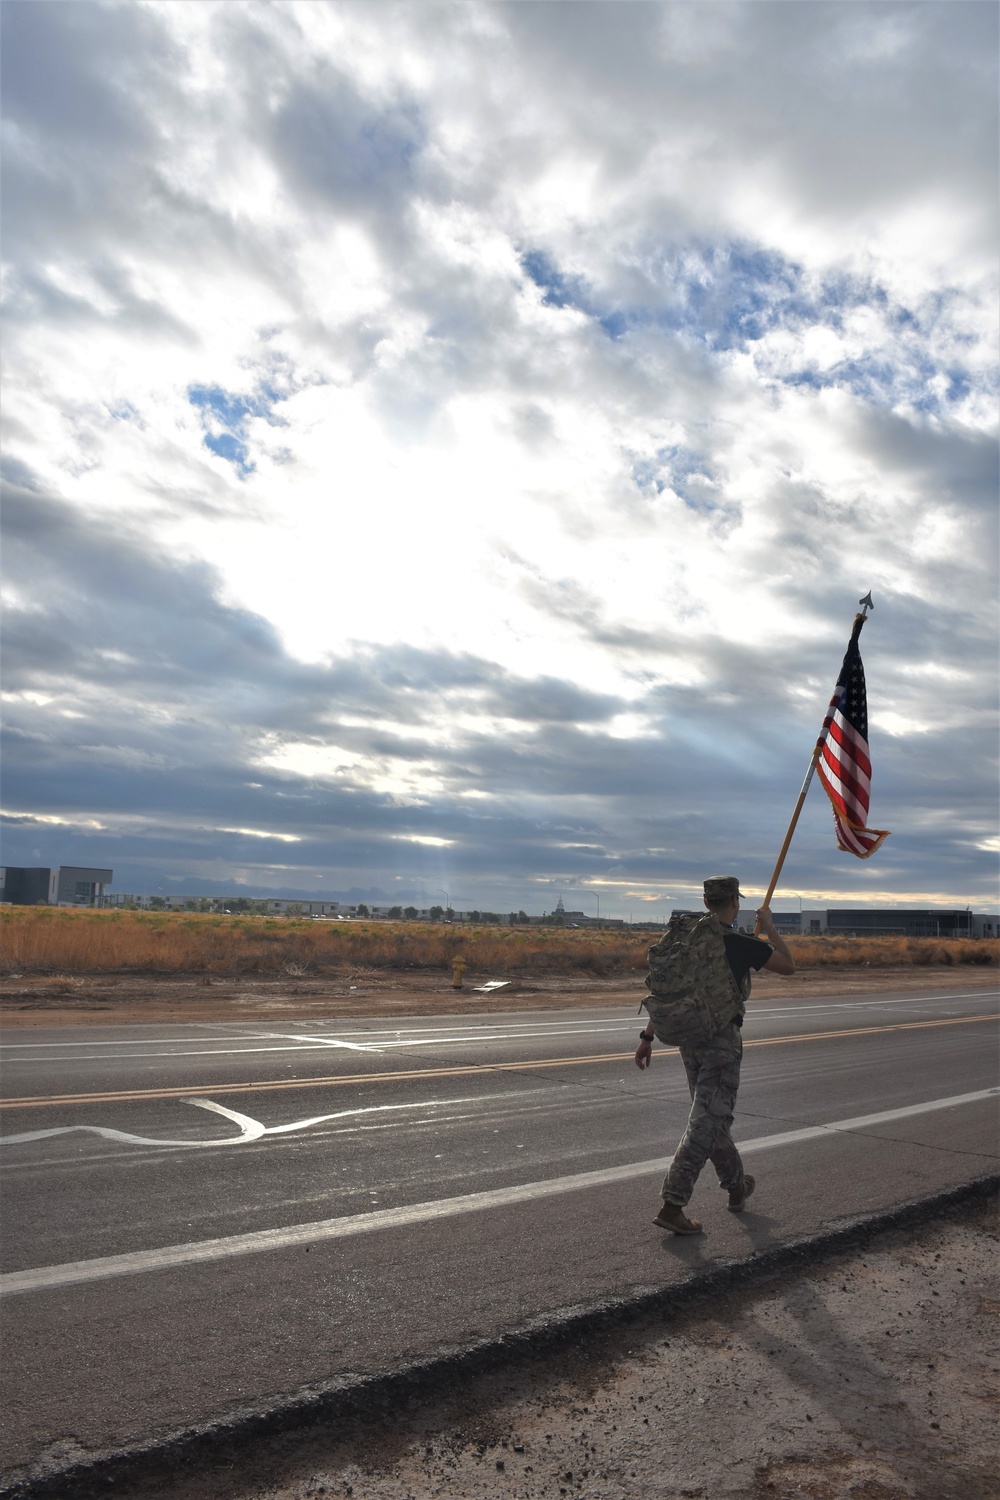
(402, 1039)
(171, 1256)
(328, 1041)
(317, 1043)
(470, 1030)
(859, 1004)
(427, 1036)
(123, 1041)
(206, 1052)
(250, 1129)
(525, 1028)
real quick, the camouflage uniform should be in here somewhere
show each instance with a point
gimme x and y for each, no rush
(713, 1074)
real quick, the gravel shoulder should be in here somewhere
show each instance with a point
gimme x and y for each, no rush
(874, 1375)
(159, 999)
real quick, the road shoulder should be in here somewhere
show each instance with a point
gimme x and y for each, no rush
(150, 999)
(864, 1357)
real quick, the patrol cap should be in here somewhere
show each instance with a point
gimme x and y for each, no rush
(722, 888)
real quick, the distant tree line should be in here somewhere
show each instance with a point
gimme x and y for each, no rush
(245, 906)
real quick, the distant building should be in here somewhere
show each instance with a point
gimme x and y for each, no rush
(789, 923)
(24, 887)
(878, 922)
(69, 885)
(279, 906)
(870, 922)
(583, 919)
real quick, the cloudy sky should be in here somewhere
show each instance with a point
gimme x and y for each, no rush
(445, 444)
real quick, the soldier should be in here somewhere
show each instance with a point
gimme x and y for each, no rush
(713, 1069)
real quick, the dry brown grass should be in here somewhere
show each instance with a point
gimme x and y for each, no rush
(45, 938)
(891, 952)
(39, 939)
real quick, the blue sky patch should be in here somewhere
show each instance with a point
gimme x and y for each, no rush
(231, 448)
(230, 411)
(684, 471)
(731, 296)
(560, 290)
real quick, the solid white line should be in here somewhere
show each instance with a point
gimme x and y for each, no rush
(202, 1052)
(810, 1006)
(487, 1031)
(865, 1122)
(122, 1041)
(378, 1042)
(170, 1256)
(523, 1028)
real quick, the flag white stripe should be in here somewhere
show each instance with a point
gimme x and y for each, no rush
(847, 729)
(854, 807)
(850, 838)
(846, 752)
(857, 840)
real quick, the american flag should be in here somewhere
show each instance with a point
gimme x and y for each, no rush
(843, 765)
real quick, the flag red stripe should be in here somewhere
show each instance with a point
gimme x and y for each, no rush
(860, 841)
(850, 741)
(848, 837)
(842, 757)
(845, 786)
(845, 782)
(842, 785)
(839, 805)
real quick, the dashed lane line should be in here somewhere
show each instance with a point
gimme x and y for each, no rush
(169, 1257)
(465, 1071)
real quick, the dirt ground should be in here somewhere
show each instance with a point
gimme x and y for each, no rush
(875, 1376)
(159, 999)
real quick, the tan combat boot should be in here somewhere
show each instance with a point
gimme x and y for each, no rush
(673, 1217)
(739, 1195)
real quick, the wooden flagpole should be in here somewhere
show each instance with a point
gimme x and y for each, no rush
(866, 604)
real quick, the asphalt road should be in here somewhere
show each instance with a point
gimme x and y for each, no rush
(200, 1220)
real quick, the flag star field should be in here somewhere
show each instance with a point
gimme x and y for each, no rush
(445, 445)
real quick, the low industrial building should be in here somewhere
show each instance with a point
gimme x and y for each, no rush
(858, 921)
(69, 885)
(280, 907)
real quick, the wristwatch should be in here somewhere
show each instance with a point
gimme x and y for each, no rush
(643, 1037)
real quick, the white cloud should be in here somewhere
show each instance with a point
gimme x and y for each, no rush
(417, 838)
(622, 347)
(261, 833)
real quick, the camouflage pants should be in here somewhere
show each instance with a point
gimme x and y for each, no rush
(713, 1074)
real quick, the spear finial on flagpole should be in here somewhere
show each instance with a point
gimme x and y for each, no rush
(866, 603)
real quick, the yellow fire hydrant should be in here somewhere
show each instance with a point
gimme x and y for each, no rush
(458, 969)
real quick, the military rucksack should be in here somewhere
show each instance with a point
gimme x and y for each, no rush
(693, 992)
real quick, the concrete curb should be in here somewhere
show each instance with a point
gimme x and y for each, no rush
(375, 1398)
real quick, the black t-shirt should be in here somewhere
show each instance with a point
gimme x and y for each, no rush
(745, 953)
